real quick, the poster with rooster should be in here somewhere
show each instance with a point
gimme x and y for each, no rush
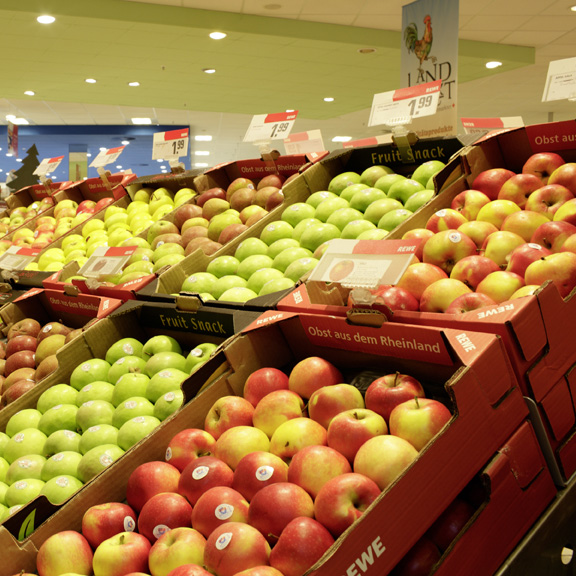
(429, 52)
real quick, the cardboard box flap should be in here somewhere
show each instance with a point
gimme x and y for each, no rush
(20, 554)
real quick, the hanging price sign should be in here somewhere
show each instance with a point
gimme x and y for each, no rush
(48, 165)
(304, 142)
(482, 125)
(106, 157)
(172, 144)
(400, 106)
(266, 127)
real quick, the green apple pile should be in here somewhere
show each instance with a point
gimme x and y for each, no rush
(79, 428)
(500, 240)
(355, 206)
(272, 479)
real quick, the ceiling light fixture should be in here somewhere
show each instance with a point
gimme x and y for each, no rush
(493, 64)
(141, 121)
(17, 121)
(90, 81)
(46, 19)
(102, 149)
(29, 93)
(329, 99)
(209, 70)
(201, 153)
(133, 83)
(119, 167)
(88, 155)
(9, 154)
(573, 8)
(159, 160)
(341, 138)
(125, 142)
(217, 35)
(203, 138)
(367, 50)
(289, 110)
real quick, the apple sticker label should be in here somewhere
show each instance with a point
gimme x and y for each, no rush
(139, 419)
(106, 460)
(169, 396)
(264, 473)
(120, 360)
(58, 457)
(160, 530)
(130, 404)
(62, 481)
(94, 428)
(86, 367)
(200, 472)
(196, 353)
(128, 348)
(57, 407)
(224, 511)
(455, 237)
(24, 463)
(224, 540)
(165, 374)
(21, 485)
(19, 437)
(47, 328)
(129, 524)
(69, 434)
(168, 453)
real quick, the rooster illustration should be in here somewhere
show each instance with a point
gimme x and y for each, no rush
(421, 48)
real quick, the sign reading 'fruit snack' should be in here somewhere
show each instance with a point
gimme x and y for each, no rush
(265, 127)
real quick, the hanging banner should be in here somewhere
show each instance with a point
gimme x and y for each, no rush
(12, 139)
(429, 52)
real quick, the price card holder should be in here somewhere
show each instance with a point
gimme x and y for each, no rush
(170, 145)
(106, 261)
(103, 173)
(176, 167)
(17, 257)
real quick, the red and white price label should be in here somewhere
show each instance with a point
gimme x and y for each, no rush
(481, 125)
(106, 261)
(18, 257)
(48, 165)
(304, 142)
(172, 144)
(400, 106)
(106, 157)
(265, 127)
(372, 141)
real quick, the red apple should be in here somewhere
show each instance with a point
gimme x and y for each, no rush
(227, 412)
(262, 382)
(419, 276)
(257, 470)
(445, 219)
(328, 401)
(548, 199)
(438, 296)
(519, 187)
(559, 267)
(149, 479)
(490, 181)
(386, 392)
(186, 212)
(188, 445)
(569, 244)
(276, 408)
(522, 256)
(239, 183)
(162, 513)
(51, 329)
(22, 359)
(202, 198)
(194, 232)
(469, 302)
(552, 235)
(102, 521)
(542, 164)
(121, 554)
(189, 570)
(202, 474)
(103, 202)
(311, 374)
(445, 248)
(421, 234)
(499, 245)
(566, 212)
(419, 560)
(473, 269)
(500, 285)
(231, 232)
(294, 435)
(565, 175)
(66, 551)
(524, 223)
(272, 180)
(20, 343)
(24, 327)
(86, 206)
(396, 298)
(478, 231)
(236, 442)
(450, 523)
(301, 544)
(469, 202)
(176, 548)
(17, 389)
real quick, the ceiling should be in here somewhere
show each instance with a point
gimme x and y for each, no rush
(278, 55)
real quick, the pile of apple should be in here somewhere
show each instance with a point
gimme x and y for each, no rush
(266, 487)
(29, 355)
(78, 429)
(355, 206)
(21, 214)
(498, 241)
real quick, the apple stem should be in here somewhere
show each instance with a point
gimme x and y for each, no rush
(416, 400)
(395, 383)
(122, 537)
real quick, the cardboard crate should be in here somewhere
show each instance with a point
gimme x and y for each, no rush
(107, 186)
(137, 320)
(518, 489)
(469, 371)
(30, 194)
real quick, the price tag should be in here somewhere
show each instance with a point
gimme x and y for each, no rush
(481, 125)
(172, 144)
(373, 141)
(561, 80)
(106, 261)
(106, 157)
(266, 127)
(400, 106)
(304, 142)
(48, 165)
(18, 257)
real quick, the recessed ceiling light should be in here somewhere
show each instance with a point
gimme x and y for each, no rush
(30, 93)
(201, 165)
(133, 83)
(102, 149)
(217, 35)
(329, 99)
(1, 170)
(141, 121)
(119, 167)
(201, 153)
(164, 171)
(493, 64)
(88, 155)
(573, 8)
(289, 110)
(367, 50)
(18, 159)
(46, 19)
(9, 154)
(341, 138)
(209, 70)
(203, 138)
(159, 160)
(125, 142)
(90, 81)
(17, 121)
(162, 167)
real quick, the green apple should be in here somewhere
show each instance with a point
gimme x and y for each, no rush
(160, 343)
(300, 267)
(403, 189)
(223, 266)
(23, 491)
(4, 438)
(94, 412)
(297, 212)
(135, 430)
(164, 202)
(301, 226)
(237, 294)
(98, 234)
(361, 200)
(141, 254)
(317, 234)
(162, 211)
(92, 226)
(117, 237)
(111, 210)
(167, 404)
(318, 197)
(183, 195)
(131, 276)
(140, 222)
(419, 199)
(25, 442)
(355, 228)
(61, 441)
(3, 488)
(167, 248)
(165, 381)
(219, 222)
(260, 277)
(275, 231)
(286, 257)
(141, 266)
(163, 360)
(227, 282)
(344, 216)
(61, 463)
(117, 218)
(129, 385)
(71, 240)
(393, 218)
(122, 366)
(196, 221)
(74, 256)
(199, 355)
(426, 171)
(99, 390)
(349, 191)
(373, 173)
(249, 247)
(136, 241)
(328, 207)
(276, 247)
(143, 195)
(167, 260)
(92, 246)
(26, 418)
(89, 371)
(25, 467)
(130, 408)
(385, 182)
(374, 234)
(159, 228)
(136, 206)
(199, 282)
(59, 417)
(376, 210)
(124, 347)
(97, 436)
(61, 488)
(97, 459)
(252, 263)
(338, 183)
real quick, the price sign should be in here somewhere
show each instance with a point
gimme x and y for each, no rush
(560, 81)
(172, 144)
(18, 257)
(482, 125)
(372, 141)
(400, 106)
(48, 165)
(304, 142)
(106, 157)
(266, 127)
(106, 261)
